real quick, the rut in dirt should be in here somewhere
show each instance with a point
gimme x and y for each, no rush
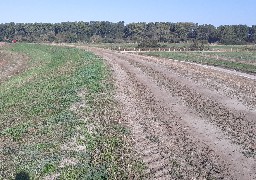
(183, 128)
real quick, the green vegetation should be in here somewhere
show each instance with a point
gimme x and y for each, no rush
(58, 119)
(203, 58)
(108, 32)
(198, 46)
(188, 46)
(245, 57)
(232, 48)
(148, 43)
(114, 45)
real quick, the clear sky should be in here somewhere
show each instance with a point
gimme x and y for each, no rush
(216, 12)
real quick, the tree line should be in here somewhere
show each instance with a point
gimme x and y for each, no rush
(104, 31)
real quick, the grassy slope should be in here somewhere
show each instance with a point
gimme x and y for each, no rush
(198, 58)
(58, 118)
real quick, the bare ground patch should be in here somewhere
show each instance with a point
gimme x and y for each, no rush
(11, 63)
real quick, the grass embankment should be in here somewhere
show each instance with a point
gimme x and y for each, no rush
(202, 59)
(58, 119)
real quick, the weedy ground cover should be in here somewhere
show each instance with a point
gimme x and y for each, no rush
(58, 118)
(242, 56)
(131, 46)
(212, 60)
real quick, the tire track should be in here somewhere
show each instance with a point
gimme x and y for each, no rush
(228, 83)
(173, 141)
(234, 118)
(236, 121)
(142, 132)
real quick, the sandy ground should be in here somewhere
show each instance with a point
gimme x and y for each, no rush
(187, 121)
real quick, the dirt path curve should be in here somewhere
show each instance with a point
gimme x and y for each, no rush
(183, 128)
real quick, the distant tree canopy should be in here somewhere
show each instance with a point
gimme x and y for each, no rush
(104, 31)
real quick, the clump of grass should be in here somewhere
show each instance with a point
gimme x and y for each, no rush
(42, 135)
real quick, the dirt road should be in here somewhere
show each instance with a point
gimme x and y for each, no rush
(187, 121)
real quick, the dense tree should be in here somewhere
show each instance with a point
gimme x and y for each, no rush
(252, 34)
(206, 33)
(242, 33)
(183, 30)
(104, 31)
(235, 34)
(135, 31)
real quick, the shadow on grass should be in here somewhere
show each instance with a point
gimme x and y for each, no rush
(22, 176)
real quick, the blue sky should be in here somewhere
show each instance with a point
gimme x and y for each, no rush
(216, 12)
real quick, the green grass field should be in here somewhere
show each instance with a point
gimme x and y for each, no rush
(130, 46)
(243, 56)
(201, 58)
(58, 118)
(134, 45)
